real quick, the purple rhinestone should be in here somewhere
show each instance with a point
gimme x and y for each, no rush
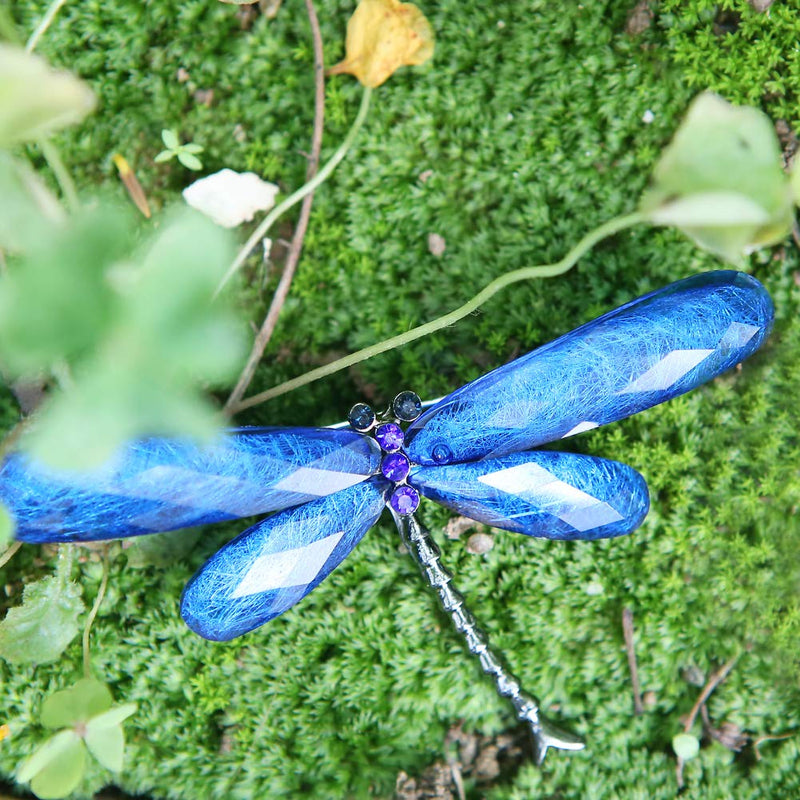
(390, 437)
(404, 500)
(395, 467)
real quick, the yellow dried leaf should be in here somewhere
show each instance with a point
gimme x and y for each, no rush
(382, 36)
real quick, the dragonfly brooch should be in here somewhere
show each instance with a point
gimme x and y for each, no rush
(470, 451)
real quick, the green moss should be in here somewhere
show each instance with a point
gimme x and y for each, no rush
(530, 125)
(745, 55)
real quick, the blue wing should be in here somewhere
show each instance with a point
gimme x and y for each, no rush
(546, 494)
(646, 352)
(163, 484)
(270, 567)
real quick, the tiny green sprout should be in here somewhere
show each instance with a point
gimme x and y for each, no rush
(185, 153)
(685, 746)
(88, 723)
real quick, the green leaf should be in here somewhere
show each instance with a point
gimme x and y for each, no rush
(63, 773)
(685, 746)
(35, 99)
(161, 549)
(164, 340)
(164, 155)
(60, 300)
(170, 139)
(107, 745)
(46, 754)
(189, 161)
(706, 209)
(114, 716)
(192, 148)
(6, 528)
(28, 210)
(794, 177)
(84, 701)
(41, 628)
(721, 180)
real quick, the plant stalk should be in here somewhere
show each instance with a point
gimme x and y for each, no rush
(525, 273)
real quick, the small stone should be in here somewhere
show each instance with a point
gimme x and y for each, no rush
(182, 75)
(204, 97)
(239, 133)
(648, 117)
(395, 467)
(407, 406)
(390, 437)
(361, 417)
(479, 543)
(404, 500)
(425, 175)
(436, 244)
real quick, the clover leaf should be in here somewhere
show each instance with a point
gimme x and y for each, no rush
(90, 723)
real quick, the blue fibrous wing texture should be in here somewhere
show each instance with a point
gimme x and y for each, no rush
(546, 494)
(271, 566)
(162, 484)
(648, 351)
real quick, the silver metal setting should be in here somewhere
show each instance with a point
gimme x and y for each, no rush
(426, 553)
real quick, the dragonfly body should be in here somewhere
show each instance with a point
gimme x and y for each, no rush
(471, 451)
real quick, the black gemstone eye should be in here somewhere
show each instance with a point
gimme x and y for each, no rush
(361, 417)
(441, 454)
(407, 406)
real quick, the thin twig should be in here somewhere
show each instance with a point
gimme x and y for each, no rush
(9, 553)
(714, 681)
(45, 23)
(101, 592)
(769, 738)
(526, 273)
(627, 631)
(296, 247)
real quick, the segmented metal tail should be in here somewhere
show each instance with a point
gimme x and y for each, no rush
(426, 553)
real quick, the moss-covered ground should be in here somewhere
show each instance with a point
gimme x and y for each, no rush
(527, 130)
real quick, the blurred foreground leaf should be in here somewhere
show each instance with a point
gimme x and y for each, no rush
(26, 206)
(136, 331)
(41, 628)
(6, 528)
(35, 99)
(721, 180)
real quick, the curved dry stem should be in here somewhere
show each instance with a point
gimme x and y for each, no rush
(281, 292)
(9, 553)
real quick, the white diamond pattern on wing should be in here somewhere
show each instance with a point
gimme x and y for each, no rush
(297, 567)
(667, 371)
(738, 335)
(580, 428)
(542, 489)
(319, 482)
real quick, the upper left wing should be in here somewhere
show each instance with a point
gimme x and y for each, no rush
(161, 484)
